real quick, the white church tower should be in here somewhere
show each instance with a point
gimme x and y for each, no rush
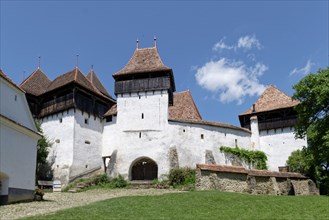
(144, 90)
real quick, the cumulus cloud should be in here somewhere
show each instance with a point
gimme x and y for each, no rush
(231, 80)
(302, 71)
(248, 42)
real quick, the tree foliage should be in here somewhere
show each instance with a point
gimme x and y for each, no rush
(313, 122)
(253, 158)
(43, 170)
(300, 161)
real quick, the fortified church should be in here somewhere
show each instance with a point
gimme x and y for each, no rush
(150, 128)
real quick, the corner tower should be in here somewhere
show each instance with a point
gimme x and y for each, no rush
(144, 90)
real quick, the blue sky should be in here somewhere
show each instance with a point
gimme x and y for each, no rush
(224, 52)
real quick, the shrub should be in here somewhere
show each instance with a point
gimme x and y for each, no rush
(101, 179)
(182, 176)
(118, 182)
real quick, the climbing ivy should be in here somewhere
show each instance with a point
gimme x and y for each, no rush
(254, 158)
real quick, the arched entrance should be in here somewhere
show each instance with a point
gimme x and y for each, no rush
(144, 169)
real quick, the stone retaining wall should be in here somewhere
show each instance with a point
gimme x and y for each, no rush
(239, 179)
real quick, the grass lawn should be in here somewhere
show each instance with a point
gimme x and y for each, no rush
(201, 205)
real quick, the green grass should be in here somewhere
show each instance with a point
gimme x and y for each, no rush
(201, 205)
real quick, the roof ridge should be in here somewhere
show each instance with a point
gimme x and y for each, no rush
(10, 81)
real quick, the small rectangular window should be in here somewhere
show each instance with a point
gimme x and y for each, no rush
(86, 121)
(15, 97)
(60, 120)
(140, 134)
(202, 136)
(109, 119)
(142, 115)
(236, 142)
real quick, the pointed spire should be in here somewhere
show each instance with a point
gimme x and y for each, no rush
(155, 41)
(39, 64)
(77, 62)
(137, 41)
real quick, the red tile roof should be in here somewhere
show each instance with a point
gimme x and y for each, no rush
(37, 83)
(5, 77)
(77, 77)
(250, 172)
(92, 77)
(184, 107)
(210, 123)
(272, 99)
(143, 60)
(112, 111)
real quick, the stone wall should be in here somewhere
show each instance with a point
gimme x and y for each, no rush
(239, 179)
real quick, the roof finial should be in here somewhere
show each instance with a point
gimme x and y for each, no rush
(77, 64)
(137, 41)
(39, 62)
(155, 41)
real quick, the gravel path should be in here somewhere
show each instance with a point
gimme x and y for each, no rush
(57, 201)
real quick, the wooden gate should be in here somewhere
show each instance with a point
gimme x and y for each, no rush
(144, 169)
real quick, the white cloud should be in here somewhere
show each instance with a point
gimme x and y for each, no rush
(221, 45)
(231, 80)
(304, 70)
(248, 42)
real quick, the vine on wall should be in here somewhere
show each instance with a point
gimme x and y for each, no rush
(253, 158)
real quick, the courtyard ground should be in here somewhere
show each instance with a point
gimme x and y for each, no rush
(58, 201)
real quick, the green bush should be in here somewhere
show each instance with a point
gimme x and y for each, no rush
(181, 177)
(118, 182)
(101, 179)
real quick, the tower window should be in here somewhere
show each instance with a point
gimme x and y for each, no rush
(142, 115)
(202, 136)
(140, 134)
(86, 121)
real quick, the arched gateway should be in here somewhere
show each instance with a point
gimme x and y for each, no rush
(144, 169)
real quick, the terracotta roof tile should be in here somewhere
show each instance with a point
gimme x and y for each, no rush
(77, 77)
(272, 99)
(184, 107)
(112, 111)
(211, 123)
(5, 77)
(250, 172)
(37, 83)
(143, 60)
(92, 77)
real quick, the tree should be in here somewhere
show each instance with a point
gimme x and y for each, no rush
(313, 122)
(43, 170)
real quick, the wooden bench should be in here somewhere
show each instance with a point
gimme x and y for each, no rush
(42, 183)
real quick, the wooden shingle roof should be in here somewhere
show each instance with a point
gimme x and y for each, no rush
(37, 83)
(92, 77)
(143, 60)
(271, 99)
(184, 107)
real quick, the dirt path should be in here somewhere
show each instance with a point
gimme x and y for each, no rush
(57, 201)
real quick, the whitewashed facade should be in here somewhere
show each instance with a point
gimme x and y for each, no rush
(18, 144)
(151, 127)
